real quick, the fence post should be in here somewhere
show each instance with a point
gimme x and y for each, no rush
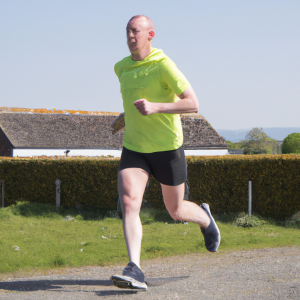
(2, 193)
(249, 197)
(57, 183)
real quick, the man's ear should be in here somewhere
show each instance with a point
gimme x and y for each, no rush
(151, 35)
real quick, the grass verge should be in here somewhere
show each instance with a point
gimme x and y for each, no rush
(41, 236)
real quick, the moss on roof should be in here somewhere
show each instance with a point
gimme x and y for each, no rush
(55, 111)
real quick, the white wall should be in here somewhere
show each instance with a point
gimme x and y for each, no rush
(99, 152)
(206, 152)
(60, 152)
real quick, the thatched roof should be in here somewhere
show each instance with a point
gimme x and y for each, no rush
(199, 134)
(30, 129)
(59, 131)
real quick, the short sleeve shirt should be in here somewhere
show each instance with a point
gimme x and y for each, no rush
(156, 79)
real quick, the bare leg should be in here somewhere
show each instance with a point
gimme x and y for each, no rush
(131, 185)
(182, 210)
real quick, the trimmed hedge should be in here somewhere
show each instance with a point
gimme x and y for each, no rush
(221, 181)
(90, 182)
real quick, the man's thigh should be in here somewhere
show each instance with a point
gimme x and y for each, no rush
(131, 184)
(173, 196)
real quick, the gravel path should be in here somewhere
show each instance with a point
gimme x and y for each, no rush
(272, 273)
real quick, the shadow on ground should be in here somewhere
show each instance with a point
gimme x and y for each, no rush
(58, 285)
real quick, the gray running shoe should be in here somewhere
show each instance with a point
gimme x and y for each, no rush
(211, 234)
(132, 278)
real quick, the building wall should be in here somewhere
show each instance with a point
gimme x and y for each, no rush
(5, 145)
(61, 152)
(206, 152)
(104, 152)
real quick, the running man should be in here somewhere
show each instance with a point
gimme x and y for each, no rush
(154, 94)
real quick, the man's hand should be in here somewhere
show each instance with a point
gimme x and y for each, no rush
(145, 107)
(118, 124)
(187, 104)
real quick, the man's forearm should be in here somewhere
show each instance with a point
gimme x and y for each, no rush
(185, 105)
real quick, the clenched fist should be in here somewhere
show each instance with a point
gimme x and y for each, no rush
(145, 107)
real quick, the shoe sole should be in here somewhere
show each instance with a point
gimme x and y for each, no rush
(205, 206)
(125, 282)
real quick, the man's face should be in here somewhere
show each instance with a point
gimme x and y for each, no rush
(137, 31)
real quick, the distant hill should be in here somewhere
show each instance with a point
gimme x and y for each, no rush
(277, 133)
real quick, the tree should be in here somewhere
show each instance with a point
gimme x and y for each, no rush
(256, 142)
(291, 144)
(256, 135)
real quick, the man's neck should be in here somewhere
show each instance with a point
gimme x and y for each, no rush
(142, 54)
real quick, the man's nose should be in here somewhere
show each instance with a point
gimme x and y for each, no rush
(130, 34)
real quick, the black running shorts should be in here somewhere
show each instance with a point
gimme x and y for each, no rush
(167, 167)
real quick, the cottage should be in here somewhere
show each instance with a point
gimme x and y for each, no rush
(26, 132)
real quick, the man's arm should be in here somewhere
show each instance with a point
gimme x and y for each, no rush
(187, 104)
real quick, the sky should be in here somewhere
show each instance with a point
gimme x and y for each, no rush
(241, 57)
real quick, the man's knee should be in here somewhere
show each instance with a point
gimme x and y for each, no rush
(130, 203)
(176, 215)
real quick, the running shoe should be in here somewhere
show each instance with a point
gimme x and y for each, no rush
(211, 234)
(132, 278)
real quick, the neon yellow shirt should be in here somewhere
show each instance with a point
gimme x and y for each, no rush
(156, 79)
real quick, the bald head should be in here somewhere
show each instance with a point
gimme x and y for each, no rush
(150, 24)
(140, 32)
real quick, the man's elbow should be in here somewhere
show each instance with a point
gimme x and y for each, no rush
(196, 107)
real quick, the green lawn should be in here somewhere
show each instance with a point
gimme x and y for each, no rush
(45, 238)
